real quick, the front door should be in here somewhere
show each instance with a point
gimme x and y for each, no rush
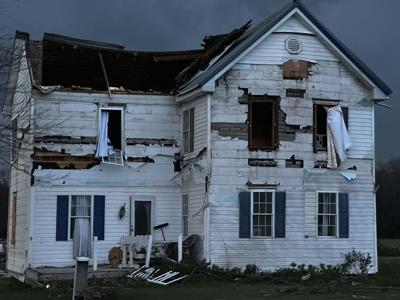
(142, 218)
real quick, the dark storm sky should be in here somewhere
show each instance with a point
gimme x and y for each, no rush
(371, 28)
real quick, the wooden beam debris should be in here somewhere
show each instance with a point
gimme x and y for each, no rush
(105, 75)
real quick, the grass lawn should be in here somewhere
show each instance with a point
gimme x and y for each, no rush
(385, 285)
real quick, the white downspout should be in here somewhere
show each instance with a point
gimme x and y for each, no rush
(207, 209)
(374, 181)
(31, 208)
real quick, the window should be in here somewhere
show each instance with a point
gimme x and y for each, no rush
(110, 140)
(14, 146)
(185, 215)
(262, 123)
(188, 130)
(80, 207)
(262, 216)
(70, 207)
(13, 219)
(320, 129)
(320, 124)
(327, 214)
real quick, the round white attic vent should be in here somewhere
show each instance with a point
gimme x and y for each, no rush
(293, 45)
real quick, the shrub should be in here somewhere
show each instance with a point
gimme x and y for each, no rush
(356, 261)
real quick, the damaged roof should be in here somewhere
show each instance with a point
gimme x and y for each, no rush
(73, 62)
(251, 36)
(59, 60)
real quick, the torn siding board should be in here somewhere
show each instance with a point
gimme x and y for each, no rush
(233, 130)
(71, 122)
(298, 111)
(295, 69)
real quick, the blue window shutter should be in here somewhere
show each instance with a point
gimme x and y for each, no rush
(98, 217)
(280, 214)
(343, 215)
(62, 218)
(244, 214)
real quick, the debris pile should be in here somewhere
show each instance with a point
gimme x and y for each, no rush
(149, 274)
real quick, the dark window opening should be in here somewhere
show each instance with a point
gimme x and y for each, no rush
(114, 128)
(262, 125)
(142, 217)
(320, 123)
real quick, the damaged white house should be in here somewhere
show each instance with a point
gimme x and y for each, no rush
(261, 143)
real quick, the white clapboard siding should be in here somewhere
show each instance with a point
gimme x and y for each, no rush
(49, 252)
(294, 25)
(156, 121)
(193, 182)
(260, 72)
(200, 122)
(76, 115)
(273, 50)
(196, 194)
(20, 180)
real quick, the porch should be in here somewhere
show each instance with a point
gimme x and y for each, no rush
(47, 274)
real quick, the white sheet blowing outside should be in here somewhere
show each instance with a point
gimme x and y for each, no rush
(338, 128)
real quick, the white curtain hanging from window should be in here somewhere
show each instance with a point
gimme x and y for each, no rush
(82, 232)
(337, 136)
(102, 145)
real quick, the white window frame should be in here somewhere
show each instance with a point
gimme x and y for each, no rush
(70, 210)
(185, 197)
(120, 154)
(337, 215)
(189, 130)
(272, 213)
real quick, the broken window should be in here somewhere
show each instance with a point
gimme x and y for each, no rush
(188, 130)
(320, 116)
(262, 122)
(109, 146)
(320, 128)
(185, 215)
